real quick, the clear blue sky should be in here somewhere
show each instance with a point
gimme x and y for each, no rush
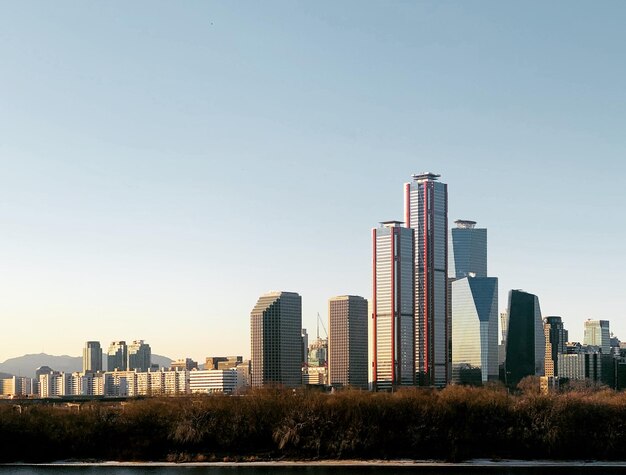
(164, 163)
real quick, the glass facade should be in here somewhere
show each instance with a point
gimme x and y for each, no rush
(92, 356)
(525, 343)
(467, 250)
(597, 333)
(275, 333)
(117, 356)
(475, 330)
(426, 210)
(393, 311)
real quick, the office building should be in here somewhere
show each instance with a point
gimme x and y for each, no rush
(597, 333)
(183, 363)
(347, 341)
(139, 356)
(426, 212)
(276, 340)
(556, 337)
(525, 343)
(211, 381)
(92, 357)
(393, 306)
(474, 330)
(117, 356)
(467, 250)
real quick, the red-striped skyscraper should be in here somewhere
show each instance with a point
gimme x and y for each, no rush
(426, 212)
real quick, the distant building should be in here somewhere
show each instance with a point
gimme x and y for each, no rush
(211, 381)
(347, 341)
(16, 386)
(426, 213)
(222, 362)
(475, 330)
(185, 363)
(525, 344)
(304, 347)
(92, 357)
(117, 356)
(467, 250)
(276, 340)
(597, 333)
(556, 338)
(393, 306)
(587, 364)
(139, 356)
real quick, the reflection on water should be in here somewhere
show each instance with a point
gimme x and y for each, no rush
(311, 470)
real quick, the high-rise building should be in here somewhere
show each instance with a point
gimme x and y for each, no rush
(556, 338)
(117, 356)
(426, 212)
(467, 250)
(393, 306)
(92, 357)
(475, 330)
(347, 341)
(304, 349)
(597, 333)
(525, 343)
(139, 356)
(276, 340)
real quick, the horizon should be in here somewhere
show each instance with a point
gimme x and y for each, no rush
(165, 165)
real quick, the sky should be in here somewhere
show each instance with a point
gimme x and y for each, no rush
(163, 164)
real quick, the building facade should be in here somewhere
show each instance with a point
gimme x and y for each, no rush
(597, 333)
(426, 212)
(474, 330)
(92, 356)
(139, 356)
(525, 343)
(556, 338)
(276, 340)
(347, 341)
(117, 356)
(393, 306)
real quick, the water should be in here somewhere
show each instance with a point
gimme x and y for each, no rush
(325, 469)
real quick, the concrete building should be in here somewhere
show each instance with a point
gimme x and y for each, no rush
(92, 357)
(426, 212)
(223, 381)
(556, 337)
(183, 363)
(393, 317)
(347, 341)
(525, 344)
(276, 340)
(117, 356)
(139, 356)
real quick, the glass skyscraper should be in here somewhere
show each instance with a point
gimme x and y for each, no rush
(92, 357)
(426, 212)
(276, 339)
(393, 306)
(139, 356)
(117, 356)
(597, 333)
(525, 342)
(474, 306)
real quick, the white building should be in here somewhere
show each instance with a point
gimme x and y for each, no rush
(213, 381)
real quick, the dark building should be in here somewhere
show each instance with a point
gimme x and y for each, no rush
(557, 338)
(525, 343)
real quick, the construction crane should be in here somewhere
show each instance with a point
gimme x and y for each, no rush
(319, 320)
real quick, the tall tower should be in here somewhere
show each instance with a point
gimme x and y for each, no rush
(347, 341)
(393, 306)
(139, 356)
(473, 306)
(597, 333)
(117, 356)
(426, 212)
(556, 338)
(92, 357)
(526, 342)
(276, 339)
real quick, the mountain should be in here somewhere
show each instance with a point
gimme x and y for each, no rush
(27, 364)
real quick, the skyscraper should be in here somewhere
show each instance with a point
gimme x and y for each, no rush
(475, 330)
(468, 250)
(276, 339)
(597, 333)
(117, 356)
(525, 343)
(347, 341)
(426, 212)
(556, 338)
(92, 357)
(393, 306)
(139, 356)
(474, 306)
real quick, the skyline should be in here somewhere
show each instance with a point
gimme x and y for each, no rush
(164, 165)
